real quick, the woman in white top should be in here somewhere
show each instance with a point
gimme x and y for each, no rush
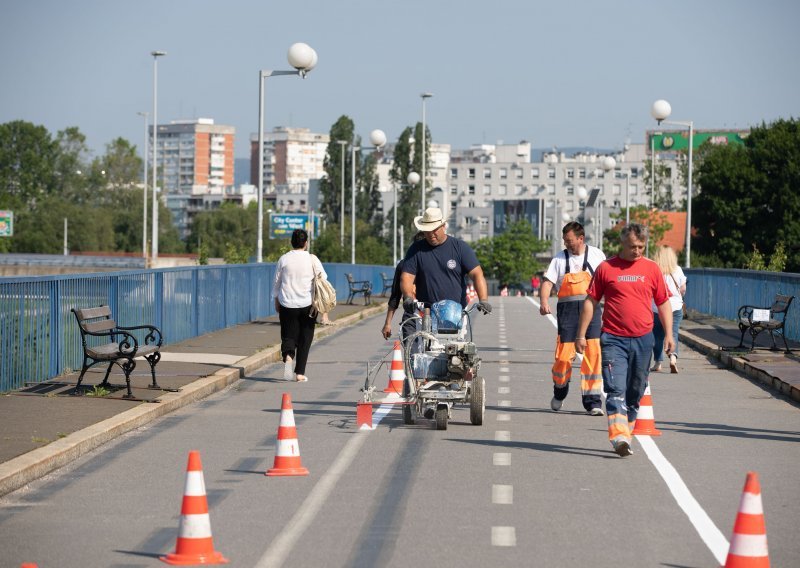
(675, 280)
(292, 289)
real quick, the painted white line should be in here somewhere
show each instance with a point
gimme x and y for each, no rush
(503, 494)
(503, 378)
(503, 403)
(504, 536)
(501, 458)
(505, 370)
(204, 358)
(502, 436)
(503, 417)
(705, 527)
(503, 390)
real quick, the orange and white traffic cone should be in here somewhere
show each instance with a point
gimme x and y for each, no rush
(194, 545)
(28, 565)
(287, 454)
(645, 420)
(397, 374)
(749, 542)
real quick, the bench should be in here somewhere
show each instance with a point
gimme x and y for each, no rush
(116, 346)
(387, 283)
(755, 319)
(359, 287)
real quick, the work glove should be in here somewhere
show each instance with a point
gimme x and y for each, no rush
(484, 307)
(410, 305)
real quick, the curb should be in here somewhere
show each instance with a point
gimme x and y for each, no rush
(739, 364)
(23, 469)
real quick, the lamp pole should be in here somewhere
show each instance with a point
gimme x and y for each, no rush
(424, 96)
(412, 179)
(144, 114)
(609, 165)
(660, 110)
(303, 58)
(156, 55)
(342, 144)
(378, 140)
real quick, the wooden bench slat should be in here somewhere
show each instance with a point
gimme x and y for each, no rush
(95, 326)
(92, 313)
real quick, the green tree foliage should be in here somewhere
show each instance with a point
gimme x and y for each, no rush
(408, 158)
(331, 185)
(661, 198)
(27, 155)
(748, 196)
(226, 227)
(370, 249)
(655, 221)
(511, 256)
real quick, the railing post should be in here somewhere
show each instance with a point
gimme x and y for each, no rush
(195, 302)
(158, 298)
(56, 329)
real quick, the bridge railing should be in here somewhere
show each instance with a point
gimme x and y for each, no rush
(39, 337)
(720, 292)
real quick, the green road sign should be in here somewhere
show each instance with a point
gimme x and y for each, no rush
(675, 141)
(6, 223)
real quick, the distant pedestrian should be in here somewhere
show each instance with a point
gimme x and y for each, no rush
(292, 291)
(535, 283)
(629, 283)
(675, 280)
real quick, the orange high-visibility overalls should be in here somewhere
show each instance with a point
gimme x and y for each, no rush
(571, 295)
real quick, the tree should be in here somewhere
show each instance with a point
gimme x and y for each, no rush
(330, 186)
(510, 257)
(27, 155)
(407, 159)
(370, 249)
(661, 198)
(223, 228)
(655, 221)
(748, 197)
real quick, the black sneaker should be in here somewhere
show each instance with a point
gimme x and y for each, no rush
(623, 449)
(429, 412)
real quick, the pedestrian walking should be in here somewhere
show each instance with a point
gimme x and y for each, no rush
(675, 280)
(292, 293)
(570, 273)
(629, 282)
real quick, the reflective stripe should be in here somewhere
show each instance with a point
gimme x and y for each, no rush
(575, 298)
(288, 448)
(749, 545)
(287, 418)
(751, 504)
(195, 526)
(195, 486)
(645, 413)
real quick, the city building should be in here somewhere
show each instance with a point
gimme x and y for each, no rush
(195, 167)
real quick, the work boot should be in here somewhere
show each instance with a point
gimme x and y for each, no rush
(623, 448)
(555, 404)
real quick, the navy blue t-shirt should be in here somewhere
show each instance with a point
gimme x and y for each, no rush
(441, 272)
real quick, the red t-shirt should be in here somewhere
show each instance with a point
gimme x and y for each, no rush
(629, 288)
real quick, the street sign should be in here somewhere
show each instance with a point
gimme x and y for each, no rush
(281, 225)
(6, 223)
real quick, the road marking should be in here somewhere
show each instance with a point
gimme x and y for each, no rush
(503, 390)
(501, 458)
(502, 436)
(503, 403)
(504, 536)
(505, 369)
(503, 417)
(503, 378)
(705, 527)
(503, 494)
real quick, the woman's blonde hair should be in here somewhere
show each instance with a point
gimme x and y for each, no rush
(666, 259)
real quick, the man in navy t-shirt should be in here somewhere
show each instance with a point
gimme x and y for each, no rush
(439, 265)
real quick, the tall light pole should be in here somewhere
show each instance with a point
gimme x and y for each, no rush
(342, 145)
(156, 55)
(661, 110)
(412, 179)
(144, 206)
(378, 139)
(303, 58)
(424, 96)
(609, 165)
(652, 185)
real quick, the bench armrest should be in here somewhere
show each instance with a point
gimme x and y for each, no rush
(127, 344)
(153, 337)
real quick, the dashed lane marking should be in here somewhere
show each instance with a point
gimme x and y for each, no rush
(501, 458)
(503, 417)
(503, 494)
(504, 536)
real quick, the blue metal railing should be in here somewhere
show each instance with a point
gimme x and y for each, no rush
(39, 338)
(721, 292)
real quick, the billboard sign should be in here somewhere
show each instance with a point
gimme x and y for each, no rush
(677, 141)
(281, 225)
(6, 223)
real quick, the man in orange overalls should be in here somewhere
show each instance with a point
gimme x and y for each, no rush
(571, 272)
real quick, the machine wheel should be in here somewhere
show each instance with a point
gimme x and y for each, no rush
(477, 401)
(441, 418)
(409, 410)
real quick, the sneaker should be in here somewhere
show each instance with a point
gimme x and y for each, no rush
(596, 411)
(656, 368)
(301, 378)
(555, 404)
(623, 449)
(673, 363)
(288, 372)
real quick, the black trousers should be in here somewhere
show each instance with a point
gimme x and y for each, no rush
(297, 333)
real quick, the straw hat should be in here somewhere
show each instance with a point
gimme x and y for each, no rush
(431, 220)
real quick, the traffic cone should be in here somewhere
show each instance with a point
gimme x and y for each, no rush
(287, 454)
(397, 374)
(645, 420)
(749, 542)
(28, 565)
(194, 545)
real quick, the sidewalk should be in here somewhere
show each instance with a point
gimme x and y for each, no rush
(44, 427)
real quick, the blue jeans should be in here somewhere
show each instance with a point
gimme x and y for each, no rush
(626, 364)
(658, 334)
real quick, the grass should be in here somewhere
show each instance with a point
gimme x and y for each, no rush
(98, 391)
(38, 440)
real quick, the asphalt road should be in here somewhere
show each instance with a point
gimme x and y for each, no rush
(528, 488)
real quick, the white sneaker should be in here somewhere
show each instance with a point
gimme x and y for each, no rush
(656, 368)
(288, 371)
(596, 411)
(673, 363)
(555, 404)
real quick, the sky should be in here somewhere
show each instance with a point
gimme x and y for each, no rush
(558, 73)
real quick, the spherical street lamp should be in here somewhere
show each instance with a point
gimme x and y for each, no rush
(302, 57)
(582, 193)
(413, 178)
(661, 110)
(377, 138)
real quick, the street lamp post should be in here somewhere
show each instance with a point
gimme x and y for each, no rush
(144, 206)
(661, 110)
(424, 96)
(609, 165)
(378, 139)
(412, 179)
(156, 55)
(303, 58)
(342, 144)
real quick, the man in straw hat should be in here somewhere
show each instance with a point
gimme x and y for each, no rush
(439, 265)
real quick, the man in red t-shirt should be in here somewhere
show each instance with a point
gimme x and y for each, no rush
(629, 282)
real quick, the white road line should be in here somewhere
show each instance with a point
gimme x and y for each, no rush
(708, 531)
(505, 369)
(705, 527)
(501, 458)
(503, 390)
(503, 378)
(504, 536)
(503, 494)
(503, 417)
(502, 436)
(504, 403)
